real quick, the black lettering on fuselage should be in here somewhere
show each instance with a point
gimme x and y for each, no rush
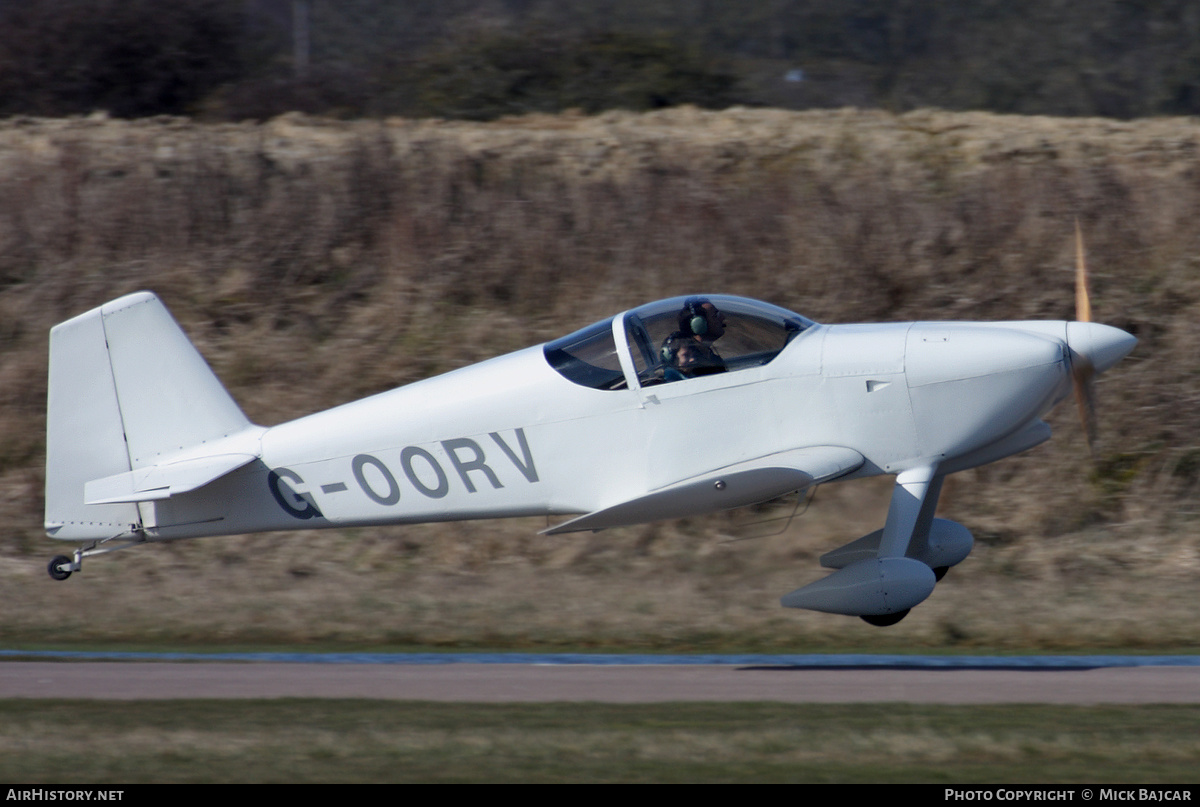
(421, 468)
(406, 462)
(525, 467)
(465, 467)
(290, 499)
(359, 464)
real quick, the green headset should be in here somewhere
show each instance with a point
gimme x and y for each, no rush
(692, 317)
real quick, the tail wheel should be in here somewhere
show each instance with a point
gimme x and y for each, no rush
(56, 567)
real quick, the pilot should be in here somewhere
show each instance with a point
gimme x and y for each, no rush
(680, 358)
(689, 352)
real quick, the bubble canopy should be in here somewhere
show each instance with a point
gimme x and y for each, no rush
(654, 340)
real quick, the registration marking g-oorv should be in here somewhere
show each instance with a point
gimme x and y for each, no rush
(419, 466)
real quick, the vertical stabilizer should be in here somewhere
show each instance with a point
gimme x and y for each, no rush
(169, 397)
(126, 389)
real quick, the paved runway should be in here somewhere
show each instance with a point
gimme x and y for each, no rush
(607, 683)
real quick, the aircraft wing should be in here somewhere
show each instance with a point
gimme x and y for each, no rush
(750, 482)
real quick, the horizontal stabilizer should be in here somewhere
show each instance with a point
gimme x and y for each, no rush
(750, 482)
(162, 481)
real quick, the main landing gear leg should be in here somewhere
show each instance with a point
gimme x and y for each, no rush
(914, 500)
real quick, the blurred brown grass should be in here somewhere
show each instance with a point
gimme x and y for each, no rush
(314, 262)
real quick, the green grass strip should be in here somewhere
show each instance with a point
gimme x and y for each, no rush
(305, 740)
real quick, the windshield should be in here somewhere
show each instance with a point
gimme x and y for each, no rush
(687, 337)
(588, 357)
(677, 339)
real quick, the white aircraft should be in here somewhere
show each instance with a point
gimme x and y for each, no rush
(680, 407)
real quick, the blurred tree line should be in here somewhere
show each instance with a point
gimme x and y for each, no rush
(235, 59)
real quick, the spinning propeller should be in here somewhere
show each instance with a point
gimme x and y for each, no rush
(1083, 372)
(1092, 347)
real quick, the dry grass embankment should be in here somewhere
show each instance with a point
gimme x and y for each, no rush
(314, 262)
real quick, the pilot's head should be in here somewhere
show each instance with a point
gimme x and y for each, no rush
(687, 357)
(700, 318)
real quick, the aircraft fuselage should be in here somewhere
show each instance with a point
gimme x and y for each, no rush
(511, 437)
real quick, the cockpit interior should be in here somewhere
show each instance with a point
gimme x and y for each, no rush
(675, 340)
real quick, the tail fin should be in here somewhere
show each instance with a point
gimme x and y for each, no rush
(127, 389)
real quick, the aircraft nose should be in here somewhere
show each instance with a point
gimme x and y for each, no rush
(972, 385)
(942, 353)
(1102, 345)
